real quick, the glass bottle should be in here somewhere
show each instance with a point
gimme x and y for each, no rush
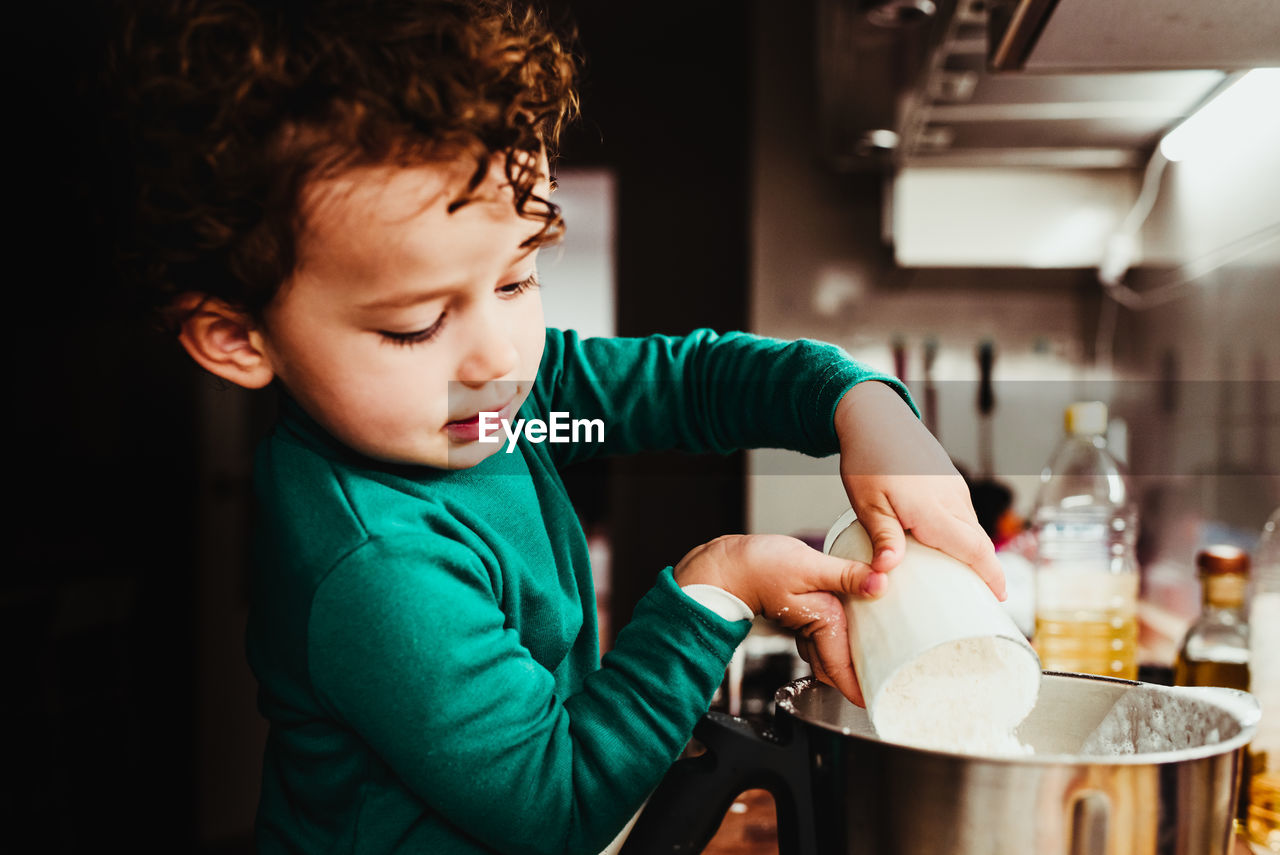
(1215, 651)
(1085, 525)
(1264, 684)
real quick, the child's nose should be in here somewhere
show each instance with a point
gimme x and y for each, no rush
(491, 353)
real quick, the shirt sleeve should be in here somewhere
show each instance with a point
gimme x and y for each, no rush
(411, 649)
(719, 601)
(703, 392)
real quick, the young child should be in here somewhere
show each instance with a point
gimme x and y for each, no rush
(345, 201)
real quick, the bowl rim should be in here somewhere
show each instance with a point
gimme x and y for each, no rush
(1241, 706)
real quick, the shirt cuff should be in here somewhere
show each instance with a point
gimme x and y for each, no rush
(719, 600)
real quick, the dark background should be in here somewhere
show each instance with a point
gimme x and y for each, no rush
(101, 606)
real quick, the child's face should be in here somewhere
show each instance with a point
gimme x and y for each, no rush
(404, 321)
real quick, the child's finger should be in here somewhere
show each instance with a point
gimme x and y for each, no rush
(885, 531)
(805, 649)
(828, 573)
(823, 638)
(832, 663)
(812, 659)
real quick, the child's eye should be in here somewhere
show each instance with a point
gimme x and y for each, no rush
(418, 337)
(521, 286)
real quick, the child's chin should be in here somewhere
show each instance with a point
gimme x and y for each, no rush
(466, 455)
(454, 456)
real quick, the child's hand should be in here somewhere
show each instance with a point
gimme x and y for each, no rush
(898, 477)
(792, 583)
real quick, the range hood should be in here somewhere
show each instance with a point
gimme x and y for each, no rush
(1087, 35)
(1091, 84)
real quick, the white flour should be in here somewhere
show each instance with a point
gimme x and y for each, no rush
(966, 696)
(1151, 721)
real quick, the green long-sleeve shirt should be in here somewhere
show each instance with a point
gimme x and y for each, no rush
(425, 640)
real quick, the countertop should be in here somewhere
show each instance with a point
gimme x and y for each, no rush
(749, 828)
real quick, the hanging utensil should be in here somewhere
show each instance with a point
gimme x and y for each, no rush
(930, 391)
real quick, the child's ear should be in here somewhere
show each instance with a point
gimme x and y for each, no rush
(223, 340)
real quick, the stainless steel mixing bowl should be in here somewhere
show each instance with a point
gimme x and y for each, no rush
(840, 789)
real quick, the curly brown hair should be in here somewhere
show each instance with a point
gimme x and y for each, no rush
(233, 107)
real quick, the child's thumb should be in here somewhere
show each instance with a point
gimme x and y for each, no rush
(887, 537)
(848, 577)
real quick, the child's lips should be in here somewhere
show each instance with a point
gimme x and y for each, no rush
(468, 429)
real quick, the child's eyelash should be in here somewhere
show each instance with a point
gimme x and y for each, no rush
(422, 336)
(520, 287)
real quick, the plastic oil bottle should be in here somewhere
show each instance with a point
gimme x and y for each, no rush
(1264, 684)
(1085, 526)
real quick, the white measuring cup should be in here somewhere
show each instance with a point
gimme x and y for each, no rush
(934, 612)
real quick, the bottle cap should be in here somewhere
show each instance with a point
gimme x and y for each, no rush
(1221, 559)
(1086, 417)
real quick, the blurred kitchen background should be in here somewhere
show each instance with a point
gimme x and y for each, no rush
(836, 169)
